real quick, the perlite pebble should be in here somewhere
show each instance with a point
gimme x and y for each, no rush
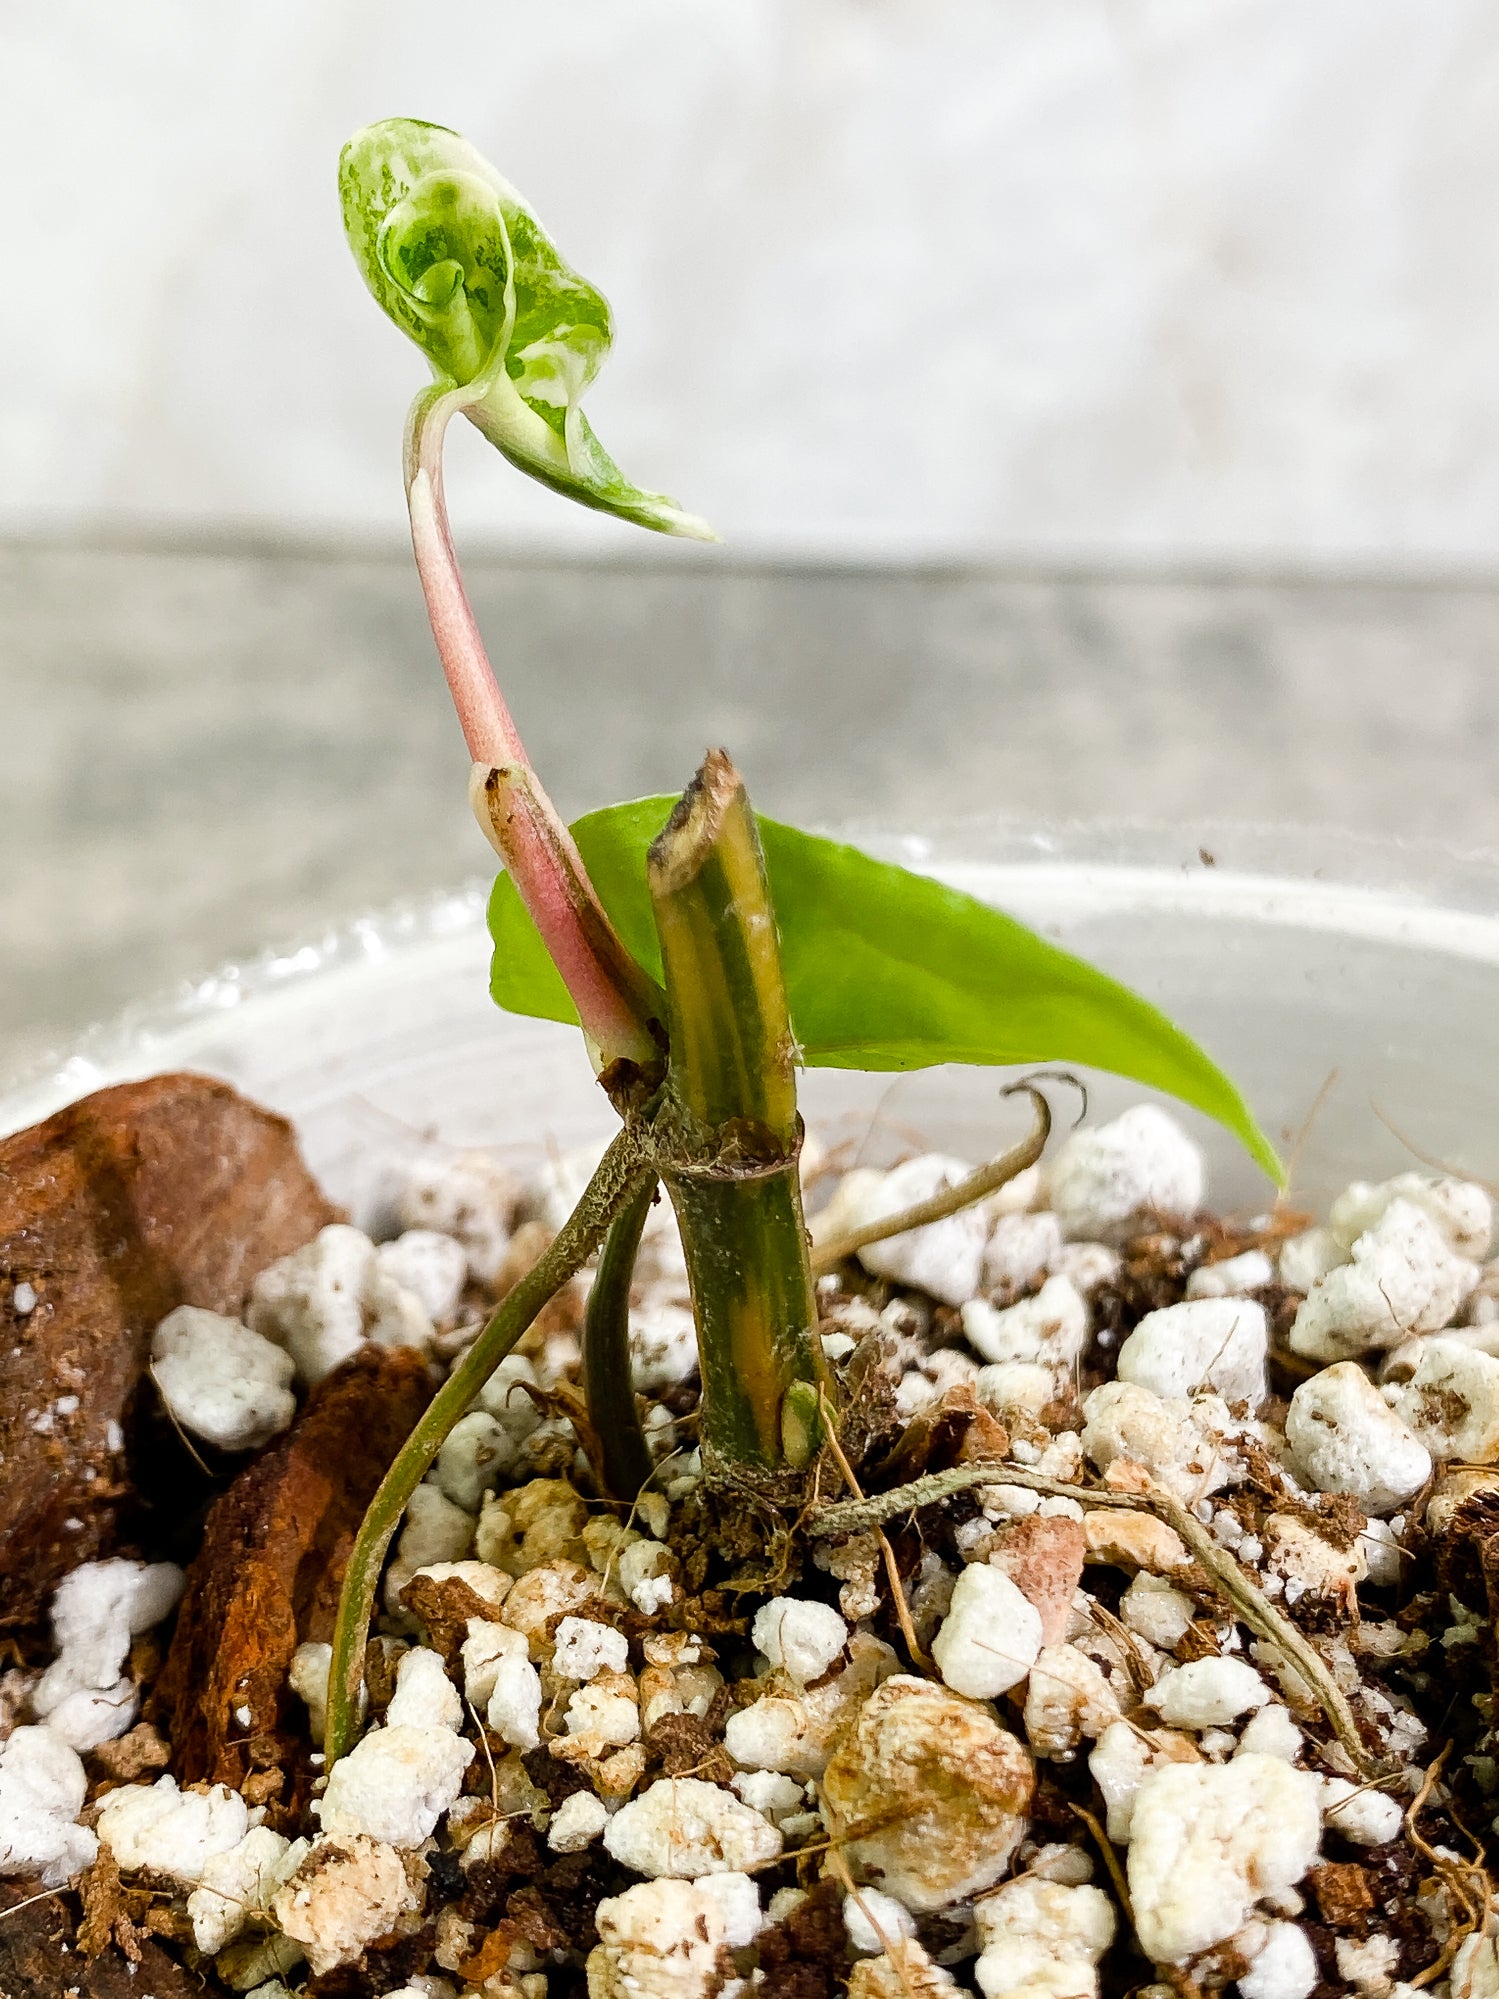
(395, 1783)
(874, 1921)
(1205, 1343)
(1207, 1693)
(1042, 1939)
(1103, 1182)
(1232, 1275)
(683, 1827)
(661, 1938)
(157, 1828)
(577, 1822)
(1019, 1250)
(1207, 1841)
(1049, 1330)
(584, 1648)
(237, 1886)
(800, 1635)
(990, 1637)
(1402, 1279)
(946, 1257)
(1285, 1967)
(1180, 1443)
(432, 1266)
(1461, 1212)
(1451, 1402)
(220, 1381)
(42, 1788)
(470, 1197)
(1360, 1813)
(326, 1299)
(1345, 1438)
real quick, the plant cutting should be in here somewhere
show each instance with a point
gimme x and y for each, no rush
(707, 974)
(721, 1566)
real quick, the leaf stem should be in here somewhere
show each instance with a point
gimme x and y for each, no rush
(621, 1174)
(607, 1386)
(616, 1002)
(488, 729)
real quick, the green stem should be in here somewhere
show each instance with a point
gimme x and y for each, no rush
(607, 1387)
(730, 1100)
(620, 1176)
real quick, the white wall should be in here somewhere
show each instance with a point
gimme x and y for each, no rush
(1127, 279)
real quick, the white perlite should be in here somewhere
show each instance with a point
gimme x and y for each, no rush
(683, 1827)
(1042, 1939)
(1345, 1438)
(1179, 1443)
(577, 1822)
(1208, 1693)
(990, 1637)
(801, 1636)
(875, 1921)
(236, 1887)
(1451, 1402)
(326, 1299)
(1402, 1279)
(470, 1197)
(1105, 1181)
(1049, 1330)
(1156, 1611)
(660, 1938)
(1207, 1841)
(584, 1649)
(84, 1695)
(430, 1265)
(1231, 1276)
(1461, 1212)
(1271, 1732)
(397, 1781)
(474, 1454)
(1204, 1343)
(158, 1828)
(1284, 1968)
(945, 1258)
(346, 1893)
(1124, 1757)
(1068, 1699)
(1019, 1250)
(1366, 1816)
(42, 1788)
(1306, 1257)
(220, 1381)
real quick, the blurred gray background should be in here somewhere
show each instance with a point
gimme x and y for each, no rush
(1098, 401)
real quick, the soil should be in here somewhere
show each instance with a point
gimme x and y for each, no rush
(174, 1191)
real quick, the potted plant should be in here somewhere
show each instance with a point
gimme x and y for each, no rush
(886, 1545)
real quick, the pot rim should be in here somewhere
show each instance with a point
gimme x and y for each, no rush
(1411, 893)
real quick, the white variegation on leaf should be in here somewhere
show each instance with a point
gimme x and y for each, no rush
(454, 256)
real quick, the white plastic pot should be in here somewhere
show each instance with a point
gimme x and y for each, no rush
(1290, 957)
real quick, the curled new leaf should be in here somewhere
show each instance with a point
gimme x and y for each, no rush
(454, 256)
(888, 970)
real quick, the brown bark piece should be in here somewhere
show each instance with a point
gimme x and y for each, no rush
(129, 1203)
(272, 1563)
(1344, 1894)
(39, 1957)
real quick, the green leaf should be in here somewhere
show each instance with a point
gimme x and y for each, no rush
(887, 970)
(454, 256)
